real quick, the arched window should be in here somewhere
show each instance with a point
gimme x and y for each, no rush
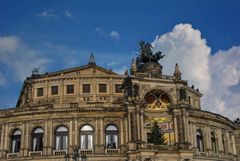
(224, 143)
(199, 137)
(16, 141)
(37, 139)
(61, 138)
(86, 137)
(213, 142)
(111, 133)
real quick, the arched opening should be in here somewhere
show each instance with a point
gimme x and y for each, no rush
(86, 137)
(214, 142)
(111, 133)
(61, 138)
(16, 141)
(199, 137)
(37, 139)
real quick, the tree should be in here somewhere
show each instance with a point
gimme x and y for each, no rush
(156, 136)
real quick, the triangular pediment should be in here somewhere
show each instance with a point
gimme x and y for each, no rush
(84, 70)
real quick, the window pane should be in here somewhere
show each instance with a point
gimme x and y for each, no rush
(62, 129)
(108, 141)
(54, 90)
(38, 130)
(40, 92)
(58, 143)
(111, 128)
(34, 144)
(102, 88)
(65, 142)
(83, 142)
(13, 146)
(115, 141)
(86, 128)
(86, 88)
(118, 88)
(17, 132)
(90, 142)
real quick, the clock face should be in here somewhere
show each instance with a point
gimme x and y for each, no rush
(157, 100)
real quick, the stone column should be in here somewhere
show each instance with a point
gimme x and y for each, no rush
(138, 126)
(6, 139)
(207, 140)
(45, 145)
(126, 130)
(129, 126)
(185, 127)
(70, 148)
(101, 132)
(188, 128)
(121, 132)
(26, 140)
(175, 127)
(22, 140)
(194, 135)
(51, 136)
(142, 125)
(234, 145)
(2, 141)
(76, 131)
(96, 132)
(228, 142)
(219, 140)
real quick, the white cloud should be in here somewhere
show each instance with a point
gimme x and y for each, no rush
(18, 58)
(185, 46)
(216, 75)
(68, 14)
(47, 13)
(225, 90)
(114, 34)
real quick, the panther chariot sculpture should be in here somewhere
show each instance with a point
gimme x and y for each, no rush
(147, 61)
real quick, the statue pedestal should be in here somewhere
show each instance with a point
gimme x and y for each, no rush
(154, 69)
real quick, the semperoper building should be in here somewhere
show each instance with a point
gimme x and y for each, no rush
(91, 113)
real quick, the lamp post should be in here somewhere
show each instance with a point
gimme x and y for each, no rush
(76, 155)
(66, 157)
(84, 157)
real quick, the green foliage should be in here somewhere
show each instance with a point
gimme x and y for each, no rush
(156, 136)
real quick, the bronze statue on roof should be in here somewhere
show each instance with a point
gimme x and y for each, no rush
(146, 54)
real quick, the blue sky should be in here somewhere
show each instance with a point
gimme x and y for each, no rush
(58, 34)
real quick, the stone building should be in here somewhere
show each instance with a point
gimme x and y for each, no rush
(94, 114)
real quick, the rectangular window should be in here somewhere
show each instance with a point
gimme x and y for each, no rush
(40, 92)
(86, 88)
(70, 89)
(118, 88)
(54, 90)
(102, 88)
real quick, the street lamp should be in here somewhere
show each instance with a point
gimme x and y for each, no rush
(76, 155)
(84, 157)
(66, 157)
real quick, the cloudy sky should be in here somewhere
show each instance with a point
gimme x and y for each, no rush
(202, 36)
